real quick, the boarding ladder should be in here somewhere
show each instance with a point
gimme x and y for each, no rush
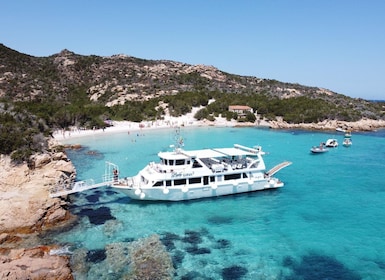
(63, 188)
(278, 167)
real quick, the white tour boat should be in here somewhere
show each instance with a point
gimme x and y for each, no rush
(185, 175)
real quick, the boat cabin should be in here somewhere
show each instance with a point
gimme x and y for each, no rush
(207, 166)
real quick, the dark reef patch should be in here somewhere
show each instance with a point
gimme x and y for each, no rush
(222, 244)
(97, 216)
(96, 256)
(220, 220)
(110, 192)
(93, 198)
(194, 250)
(128, 239)
(233, 272)
(192, 237)
(316, 266)
(193, 275)
(177, 258)
(168, 240)
(288, 261)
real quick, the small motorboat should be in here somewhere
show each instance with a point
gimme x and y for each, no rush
(348, 134)
(347, 142)
(331, 143)
(340, 129)
(319, 149)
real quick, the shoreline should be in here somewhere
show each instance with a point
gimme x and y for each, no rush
(185, 121)
(133, 127)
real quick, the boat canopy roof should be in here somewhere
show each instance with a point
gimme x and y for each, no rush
(206, 153)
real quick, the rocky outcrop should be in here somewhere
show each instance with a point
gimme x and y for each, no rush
(327, 125)
(35, 263)
(26, 210)
(27, 207)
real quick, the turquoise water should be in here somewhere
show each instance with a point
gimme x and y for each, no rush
(328, 222)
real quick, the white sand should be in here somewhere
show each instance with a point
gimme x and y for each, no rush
(187, 120)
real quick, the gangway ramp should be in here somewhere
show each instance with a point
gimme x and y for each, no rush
(65, 188)
(278, 167)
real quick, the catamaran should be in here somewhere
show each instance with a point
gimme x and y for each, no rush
(185, 175)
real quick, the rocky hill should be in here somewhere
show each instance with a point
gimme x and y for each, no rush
(116, 79)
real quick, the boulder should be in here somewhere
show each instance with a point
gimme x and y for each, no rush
(27, 206)
(63, 166)
(41, 160)
(34, 263)
(60, 156)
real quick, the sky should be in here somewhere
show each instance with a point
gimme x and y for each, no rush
(334, 44)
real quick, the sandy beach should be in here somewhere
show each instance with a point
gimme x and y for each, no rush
(189, 121)
(126, 126)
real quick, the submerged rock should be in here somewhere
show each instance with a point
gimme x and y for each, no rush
(143, 259)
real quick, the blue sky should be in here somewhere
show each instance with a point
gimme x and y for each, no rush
(334, 44)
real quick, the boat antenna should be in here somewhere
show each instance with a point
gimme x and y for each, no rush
(178, 139)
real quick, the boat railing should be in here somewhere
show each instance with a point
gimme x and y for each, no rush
(62, 189)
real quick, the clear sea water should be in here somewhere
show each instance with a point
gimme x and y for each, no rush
(328, 222)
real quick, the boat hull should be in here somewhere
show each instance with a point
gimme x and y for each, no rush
(197, 192)
(318, 150)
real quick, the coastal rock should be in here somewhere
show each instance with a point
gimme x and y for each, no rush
(60, 156)
(327, 125)
(34, 263)
(41, 160)
(63, 166)
(27, 209)
(27, 206)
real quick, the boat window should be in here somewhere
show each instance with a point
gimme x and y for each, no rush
(205, 180)
(196, 164)
(168, 183)
(195, 180)
(179, 162)
(244, 175)
(212, 178)
(158, 184)
(171, 162)
(179, 182)
(233, 176)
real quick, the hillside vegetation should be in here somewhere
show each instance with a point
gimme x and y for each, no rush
(38, 94)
